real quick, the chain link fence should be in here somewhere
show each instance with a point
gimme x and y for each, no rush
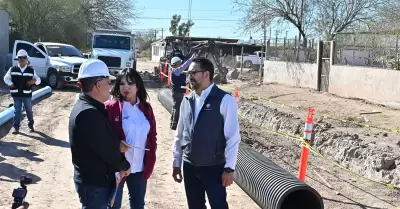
(368, 49)
(284, 49)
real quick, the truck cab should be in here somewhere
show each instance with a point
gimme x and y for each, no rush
(116, 48)
(253, 60)
(55, 63)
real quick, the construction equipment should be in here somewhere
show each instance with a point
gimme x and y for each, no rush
(184, 49)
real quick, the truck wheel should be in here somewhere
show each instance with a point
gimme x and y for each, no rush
(53, 79)
(248, 64)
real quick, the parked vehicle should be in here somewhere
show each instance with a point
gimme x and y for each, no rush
(56, 64)
(116, 48)
(250, 61)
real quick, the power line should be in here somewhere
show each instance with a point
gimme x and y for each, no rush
(203, 10)
(197, 19)
(193, 28)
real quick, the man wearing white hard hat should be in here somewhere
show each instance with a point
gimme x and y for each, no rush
(95, 149)
(20, 80)
(178, 80)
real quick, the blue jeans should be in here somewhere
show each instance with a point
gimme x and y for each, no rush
(201, 180)
(92, 197)
(137, 191)
(18, 101)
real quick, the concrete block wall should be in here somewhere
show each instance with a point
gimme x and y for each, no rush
(380, 86)
(4, 40)
(376, 85)
(290, 73)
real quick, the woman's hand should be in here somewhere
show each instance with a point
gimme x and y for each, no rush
(123, 147)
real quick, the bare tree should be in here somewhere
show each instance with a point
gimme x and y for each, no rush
(389, 16)
(296, 12)
(145, 38)
(334, 16)
(109, 14)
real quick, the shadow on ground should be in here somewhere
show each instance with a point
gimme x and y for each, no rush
(18, 150)
(11, 173)
(46, 139)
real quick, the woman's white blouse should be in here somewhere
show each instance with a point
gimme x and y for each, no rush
(136, 128)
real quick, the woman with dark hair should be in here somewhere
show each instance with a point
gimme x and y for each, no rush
(132, 119)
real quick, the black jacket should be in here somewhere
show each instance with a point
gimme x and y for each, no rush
(20, 80)
(94, 147)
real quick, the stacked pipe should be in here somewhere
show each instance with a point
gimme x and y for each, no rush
(270, 186)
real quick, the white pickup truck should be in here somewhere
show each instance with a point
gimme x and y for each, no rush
(116, 48)
(55, 63)
(250, 61)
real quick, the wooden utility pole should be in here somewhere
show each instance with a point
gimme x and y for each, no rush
(265, 29)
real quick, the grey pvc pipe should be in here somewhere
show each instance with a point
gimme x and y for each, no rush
(270, 186)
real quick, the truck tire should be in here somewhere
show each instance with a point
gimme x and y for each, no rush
(248, 64)
(53, 79)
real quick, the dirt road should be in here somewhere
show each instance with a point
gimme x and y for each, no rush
(45, 156)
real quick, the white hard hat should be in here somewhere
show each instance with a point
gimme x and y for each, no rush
(175, 60)
(22, 53)
(93, 68)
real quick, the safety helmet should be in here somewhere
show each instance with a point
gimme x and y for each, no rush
(175, 60)
(22, 53)
(93, 68)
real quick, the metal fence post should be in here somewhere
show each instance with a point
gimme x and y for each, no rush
(320, 52)
(333, 53)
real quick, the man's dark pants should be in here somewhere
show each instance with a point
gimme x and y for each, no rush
(177, 100)
(27, 102)
(92, 197)
(201, 180)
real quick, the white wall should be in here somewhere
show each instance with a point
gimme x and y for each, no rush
(4, 40)
(157, 51)
(290, 73)
(376, 85)
(372, 84)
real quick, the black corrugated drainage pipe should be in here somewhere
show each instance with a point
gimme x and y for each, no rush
(270, 186)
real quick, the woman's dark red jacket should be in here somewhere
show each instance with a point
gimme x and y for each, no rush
(114, 108)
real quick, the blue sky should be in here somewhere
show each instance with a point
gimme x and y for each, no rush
(224, 20)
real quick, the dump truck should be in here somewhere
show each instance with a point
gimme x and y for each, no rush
(116, 48)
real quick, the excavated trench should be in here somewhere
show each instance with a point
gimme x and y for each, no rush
(364, 153)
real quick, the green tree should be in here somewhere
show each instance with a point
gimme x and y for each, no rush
(182, 29)
(65, 21)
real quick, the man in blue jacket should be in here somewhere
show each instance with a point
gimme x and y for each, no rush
(178, 83)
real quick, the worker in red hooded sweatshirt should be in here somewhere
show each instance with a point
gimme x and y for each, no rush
(132, 119)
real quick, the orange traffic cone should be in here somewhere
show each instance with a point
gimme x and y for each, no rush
(236, 94)
(169, 78)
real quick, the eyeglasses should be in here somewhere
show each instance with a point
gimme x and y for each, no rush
(102, 78)
(193, 72)
(22, 58)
